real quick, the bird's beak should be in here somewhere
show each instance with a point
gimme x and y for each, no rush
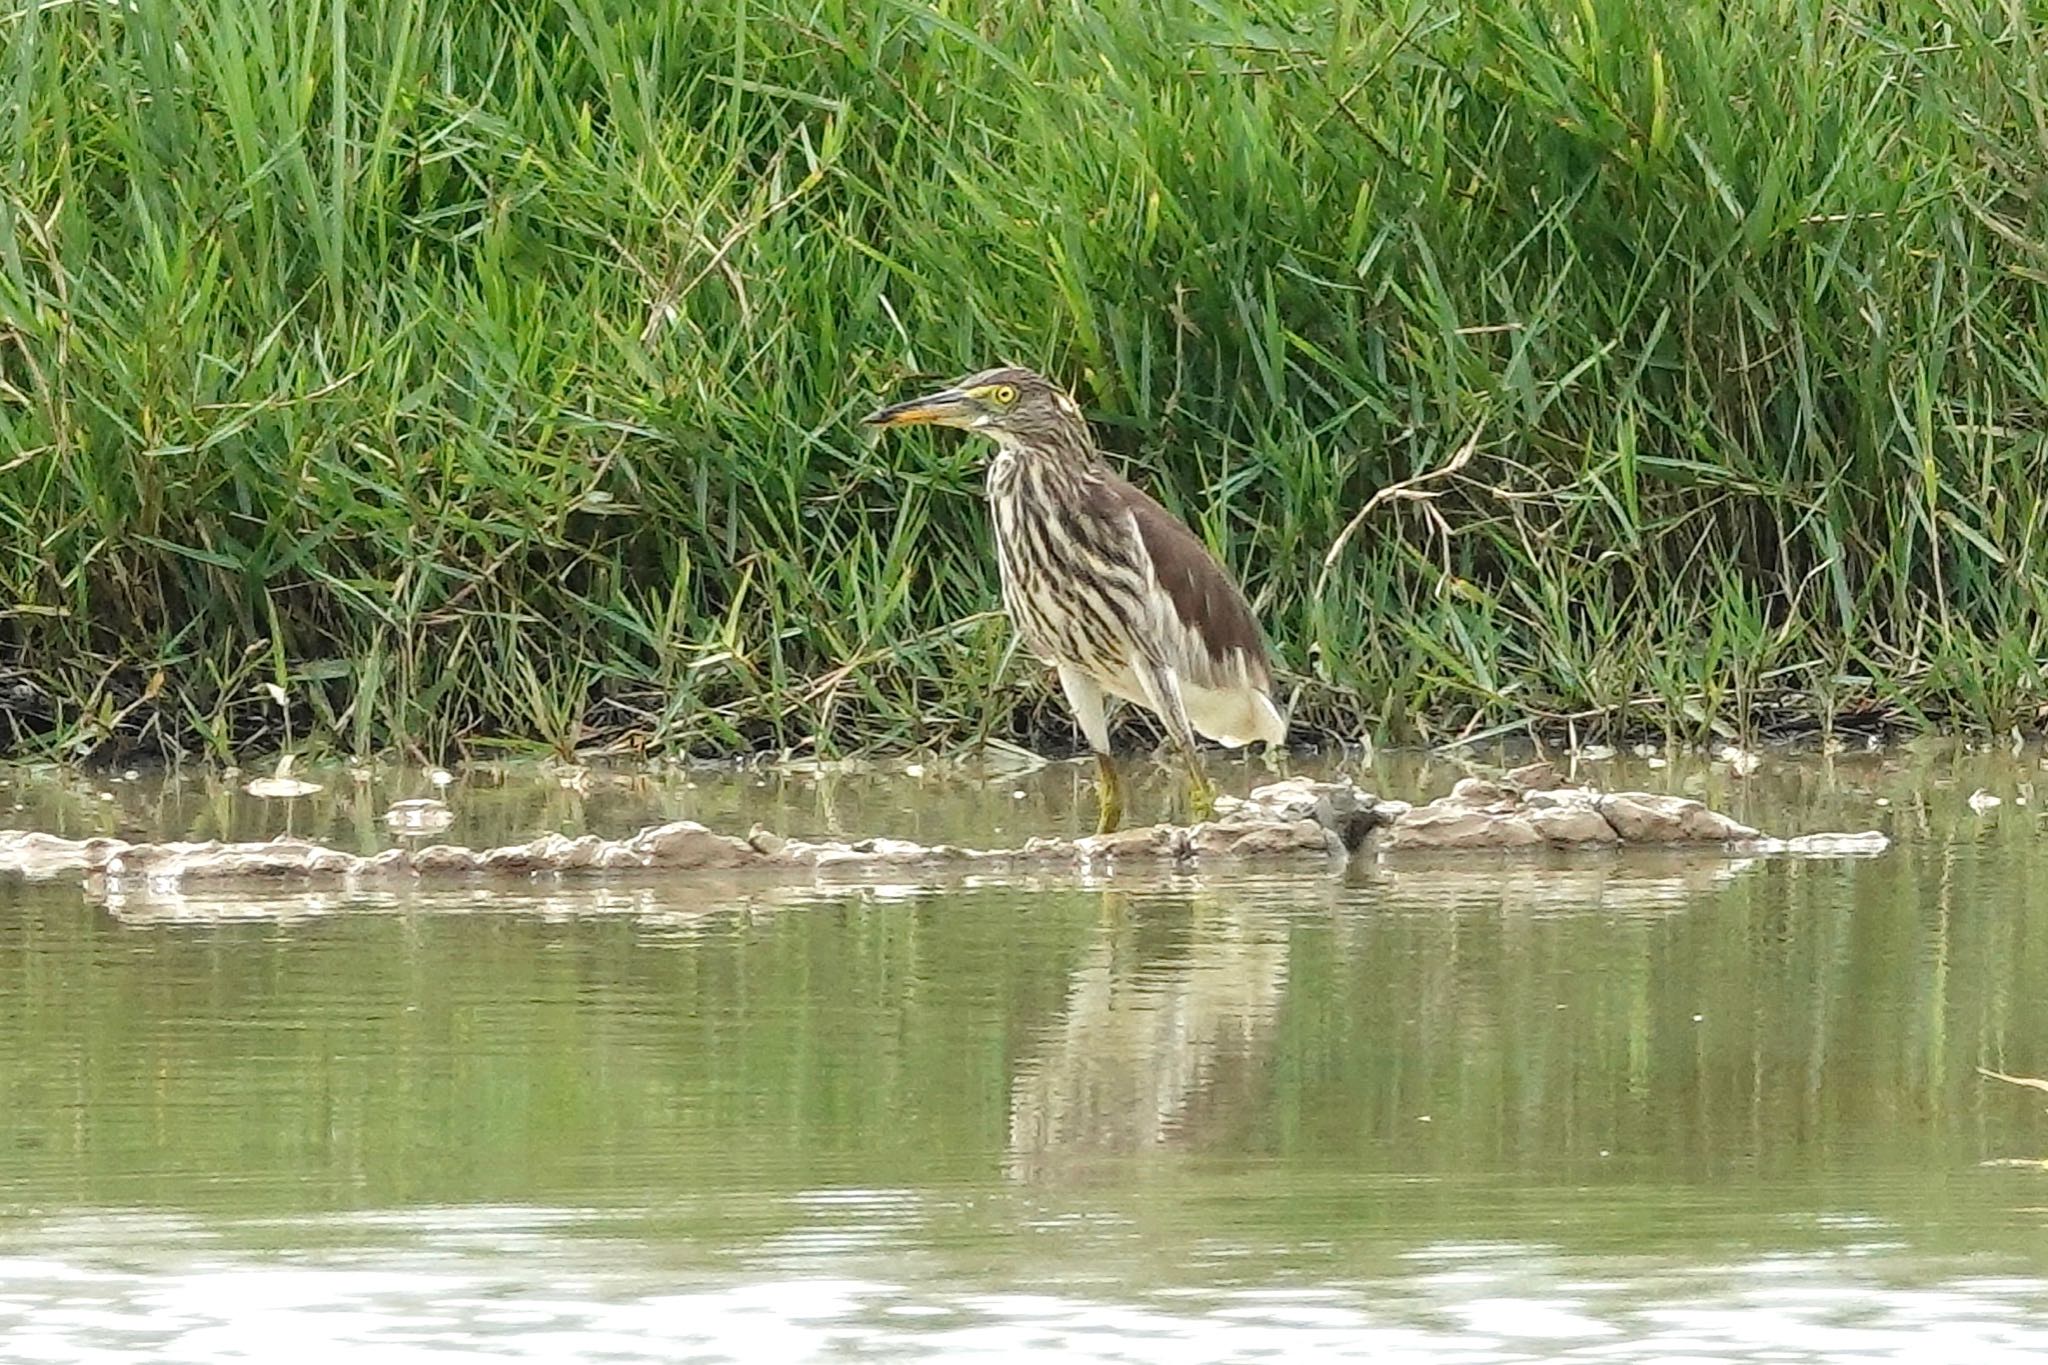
(946, 408)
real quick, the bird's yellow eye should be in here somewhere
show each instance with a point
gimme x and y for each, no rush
(1003, 394)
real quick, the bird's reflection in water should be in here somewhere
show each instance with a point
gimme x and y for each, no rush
(1172, 1004)
(1168, 1029)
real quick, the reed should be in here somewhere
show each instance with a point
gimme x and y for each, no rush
(483, 371)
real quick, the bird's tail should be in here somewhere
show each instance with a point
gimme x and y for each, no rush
(1234, 715)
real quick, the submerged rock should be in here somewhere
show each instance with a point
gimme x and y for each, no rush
(1297, 819)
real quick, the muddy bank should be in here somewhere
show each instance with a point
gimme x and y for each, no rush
(1298, 821)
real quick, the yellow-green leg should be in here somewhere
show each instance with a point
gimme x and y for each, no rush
(1201, 791)
(1084, 694)
(1109, 794)
(1162, 686)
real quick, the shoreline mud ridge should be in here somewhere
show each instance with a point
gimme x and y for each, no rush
(1298, 820)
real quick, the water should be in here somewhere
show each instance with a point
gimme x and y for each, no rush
(1594, 1107)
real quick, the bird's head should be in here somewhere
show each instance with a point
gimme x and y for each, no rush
(1007, 405)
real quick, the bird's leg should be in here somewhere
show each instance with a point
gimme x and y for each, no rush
(1201, 791)
(1109, 794)
(1084, 694)
(1162, 684)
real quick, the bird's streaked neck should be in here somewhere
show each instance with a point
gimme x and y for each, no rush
(1007, 442)
(1070, 445)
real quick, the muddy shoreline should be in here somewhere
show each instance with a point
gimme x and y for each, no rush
(1325, 723)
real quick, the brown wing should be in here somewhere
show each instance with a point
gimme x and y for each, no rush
(1201, 591)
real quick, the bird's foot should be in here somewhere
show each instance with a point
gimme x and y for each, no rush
(1201, 798)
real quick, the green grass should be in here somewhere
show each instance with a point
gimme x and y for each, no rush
(486, 372)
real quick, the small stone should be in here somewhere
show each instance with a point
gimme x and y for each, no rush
(1153, 841)
(1563, 798)
(1654, 818)
(1532, 777)
(534, 856)
(1350, 815)
(1234, 840)
(576, 854)
(1572, 825)
(445, 858)
(391, 860)
(1292, 799)
(327, 862)
(687, 844)
(1300, 798)
(1477, 792)
(1441, 826)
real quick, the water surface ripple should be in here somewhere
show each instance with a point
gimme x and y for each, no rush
(1596, 1107)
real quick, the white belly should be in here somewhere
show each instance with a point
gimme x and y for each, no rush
(1230, 716)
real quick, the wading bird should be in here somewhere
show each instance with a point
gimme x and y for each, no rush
(1102, 583)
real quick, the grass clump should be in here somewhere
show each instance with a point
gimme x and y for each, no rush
(484, 370)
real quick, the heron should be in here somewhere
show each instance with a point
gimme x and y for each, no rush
(1104, 584)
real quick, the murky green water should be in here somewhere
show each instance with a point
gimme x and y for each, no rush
(1594, 1107)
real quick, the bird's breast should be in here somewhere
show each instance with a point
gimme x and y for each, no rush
(1070, 585)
